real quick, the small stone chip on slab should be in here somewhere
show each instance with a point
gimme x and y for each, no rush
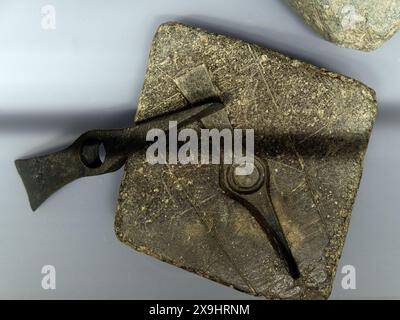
(312, 126)
(358, 24)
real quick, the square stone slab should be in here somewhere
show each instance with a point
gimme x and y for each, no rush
(312, 126)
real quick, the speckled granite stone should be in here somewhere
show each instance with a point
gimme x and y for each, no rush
(358, 24)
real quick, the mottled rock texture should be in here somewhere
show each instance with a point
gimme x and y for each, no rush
(312, 127)
(358, 24)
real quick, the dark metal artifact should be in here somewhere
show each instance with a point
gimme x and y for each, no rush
(279, 233)
(43, 176)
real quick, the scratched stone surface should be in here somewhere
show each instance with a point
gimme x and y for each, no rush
(312, 127)
(358, 24)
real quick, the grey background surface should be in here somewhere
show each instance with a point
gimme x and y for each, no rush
(88, 74)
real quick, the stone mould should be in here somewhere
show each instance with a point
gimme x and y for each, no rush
(311, 125)
(358, 24)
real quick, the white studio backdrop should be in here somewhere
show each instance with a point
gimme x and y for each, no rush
(84, 70)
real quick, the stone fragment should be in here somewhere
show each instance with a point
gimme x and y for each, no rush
(358, 24)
